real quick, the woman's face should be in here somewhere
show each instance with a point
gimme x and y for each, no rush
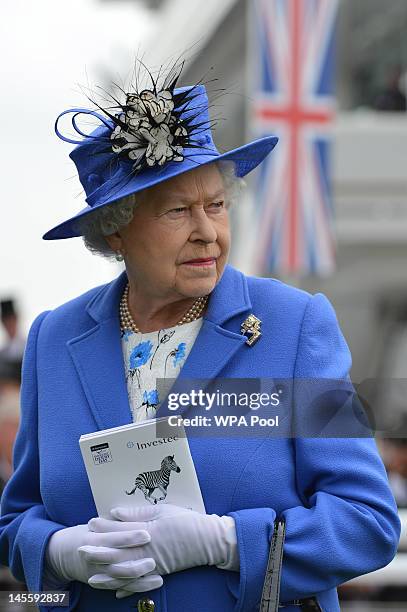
(178, 241)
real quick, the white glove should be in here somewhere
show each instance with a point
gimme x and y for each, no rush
(67, 558)
(180, 539)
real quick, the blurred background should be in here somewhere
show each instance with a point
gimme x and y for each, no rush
(327, 213)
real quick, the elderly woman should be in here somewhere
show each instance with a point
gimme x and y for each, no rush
(158, 194)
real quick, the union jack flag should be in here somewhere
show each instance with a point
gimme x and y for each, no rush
(293, 98)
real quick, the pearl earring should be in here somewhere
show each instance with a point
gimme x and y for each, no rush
(119, 256)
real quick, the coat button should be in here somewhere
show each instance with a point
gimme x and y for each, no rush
(145, 605)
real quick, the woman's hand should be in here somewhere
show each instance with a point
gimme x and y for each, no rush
(71, 556)
(180, 538)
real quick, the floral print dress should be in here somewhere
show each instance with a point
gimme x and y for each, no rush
(154, 355)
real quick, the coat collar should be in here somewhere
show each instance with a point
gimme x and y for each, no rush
(97, 353)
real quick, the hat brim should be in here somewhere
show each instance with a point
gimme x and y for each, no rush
(246, 159)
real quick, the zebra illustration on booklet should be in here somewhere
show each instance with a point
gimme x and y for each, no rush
(127, 457)
(148, 482)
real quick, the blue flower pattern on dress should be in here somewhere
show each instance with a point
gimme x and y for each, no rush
(152, 356)
(151, 397)
(126, 334)
(179, 353)
(140, 354)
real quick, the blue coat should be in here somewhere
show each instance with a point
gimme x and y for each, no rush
(340, 514)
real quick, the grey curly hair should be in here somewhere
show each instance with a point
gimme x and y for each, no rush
(111, 218)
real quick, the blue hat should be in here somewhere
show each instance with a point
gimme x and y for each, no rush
(156, 135)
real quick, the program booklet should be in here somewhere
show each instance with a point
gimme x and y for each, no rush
(144, 463)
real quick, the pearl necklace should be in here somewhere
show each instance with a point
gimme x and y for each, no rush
(127, 321)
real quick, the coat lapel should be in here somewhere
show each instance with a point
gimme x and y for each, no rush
(98, 358)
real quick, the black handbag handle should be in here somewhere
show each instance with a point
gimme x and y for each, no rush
(271, 588)
(270, 596)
